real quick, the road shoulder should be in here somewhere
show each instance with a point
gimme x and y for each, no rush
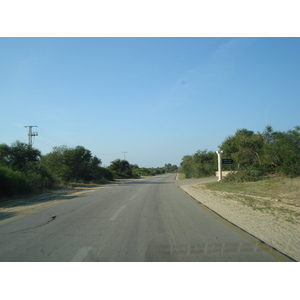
(273, 230)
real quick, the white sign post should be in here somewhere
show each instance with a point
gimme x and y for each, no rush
(220, 164)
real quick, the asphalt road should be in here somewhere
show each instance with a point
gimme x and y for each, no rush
(144, 220)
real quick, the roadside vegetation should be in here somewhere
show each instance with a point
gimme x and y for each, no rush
(255, 156)
(265, 174)
(201, 164)
(24, 170)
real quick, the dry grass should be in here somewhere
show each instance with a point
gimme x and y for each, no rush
(181, 176)
(278, 196)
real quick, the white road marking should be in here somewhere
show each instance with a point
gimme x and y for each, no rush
(115, 215)
(81, 254)
(132, 197)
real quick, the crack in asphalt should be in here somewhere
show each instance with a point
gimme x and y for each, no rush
(43, 224)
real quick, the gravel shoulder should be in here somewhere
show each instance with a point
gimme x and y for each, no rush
(273, 229)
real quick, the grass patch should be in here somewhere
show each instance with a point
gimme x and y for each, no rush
(181, 176)
(278, 196)
(277, 188)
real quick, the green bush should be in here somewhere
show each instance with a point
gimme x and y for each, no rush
(121, 169)
(13, 183)
(38, 177)
(201, 164)
(104, 174)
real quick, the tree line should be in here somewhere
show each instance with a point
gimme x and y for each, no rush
(23, 169)
(255, 155)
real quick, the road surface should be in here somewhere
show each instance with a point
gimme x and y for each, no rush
(145, 220)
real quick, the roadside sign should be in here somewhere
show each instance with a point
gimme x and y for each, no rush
(227, 161)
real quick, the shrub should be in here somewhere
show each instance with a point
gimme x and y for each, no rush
(104, 174)
(13, 183)
(243, 176)
(38, 177)
(121, 169)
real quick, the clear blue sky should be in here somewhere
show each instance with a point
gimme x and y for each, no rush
(156, 98)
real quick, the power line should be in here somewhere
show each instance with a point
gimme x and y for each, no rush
(39, 141)
(53, 137)
(50, 136)
(105, 153)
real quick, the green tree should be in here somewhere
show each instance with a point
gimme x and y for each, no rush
(170, 168)
(26, 171)
(201, 164)
(18, 155)
(245, 148)
(80, 163)
(187, 166)
(205, 163)
(269, 158)
(55, 163)
(265, 152)
(286, 152)
(121, 168)
(72, 164)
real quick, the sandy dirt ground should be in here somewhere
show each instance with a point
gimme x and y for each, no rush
(273, 226)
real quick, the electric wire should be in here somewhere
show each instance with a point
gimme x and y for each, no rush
(54, 137)
(45, 134)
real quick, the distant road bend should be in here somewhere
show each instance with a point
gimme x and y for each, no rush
(145, 220)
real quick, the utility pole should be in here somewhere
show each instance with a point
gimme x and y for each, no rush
(125, 154)
(30, 134)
